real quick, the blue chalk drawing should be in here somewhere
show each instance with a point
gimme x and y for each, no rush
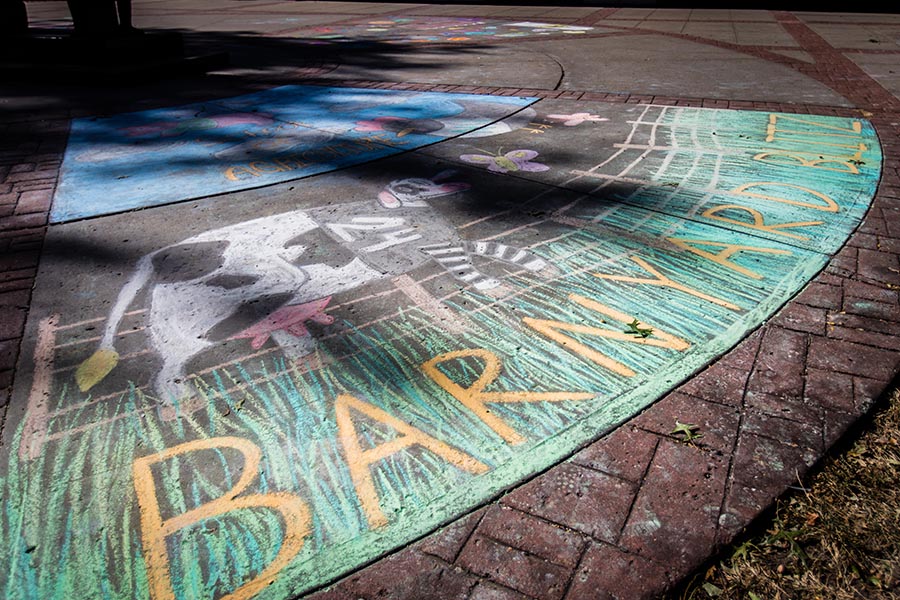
(156, 157)
(429, 30)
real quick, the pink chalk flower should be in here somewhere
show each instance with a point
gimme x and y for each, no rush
(577, 118)
(290, 318)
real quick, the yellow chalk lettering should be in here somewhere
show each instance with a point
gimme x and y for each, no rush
(290, 163)
(368, 143)
(854, 130)
(359, 460)
(155, 529)
(234, 173)
(758, 223)
(339, 150)
(844, 157)
(342, 149)
(379, 138)
(830, 205)
(265, 167)
(328, 151)
(727, 251)
(476, 399)
(783, 158)
(554, 330)
(664, 281)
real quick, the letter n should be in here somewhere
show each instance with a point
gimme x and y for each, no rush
(155, 529)
(555, 331)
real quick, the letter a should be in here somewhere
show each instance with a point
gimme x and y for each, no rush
(233, 173)
(359, 460)
(155, 529)
(723, 255)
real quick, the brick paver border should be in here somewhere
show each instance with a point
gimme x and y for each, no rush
(633, 513)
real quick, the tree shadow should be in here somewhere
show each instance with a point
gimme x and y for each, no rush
(256, 62)
(259, 63)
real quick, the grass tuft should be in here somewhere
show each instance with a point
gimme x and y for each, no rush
(837, 539)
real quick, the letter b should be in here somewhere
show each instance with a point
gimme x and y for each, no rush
(155, 529)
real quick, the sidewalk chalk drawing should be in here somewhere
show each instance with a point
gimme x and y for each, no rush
(432, 30)
(148, 158)
(246, 269)
(346, 376)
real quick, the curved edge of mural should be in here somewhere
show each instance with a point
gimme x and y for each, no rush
(297, 474)
(543, 455)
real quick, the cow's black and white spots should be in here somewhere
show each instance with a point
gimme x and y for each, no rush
(263, 279)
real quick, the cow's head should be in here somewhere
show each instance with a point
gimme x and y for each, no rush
(414, 191)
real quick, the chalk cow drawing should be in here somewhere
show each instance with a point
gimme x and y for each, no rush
(207, 288)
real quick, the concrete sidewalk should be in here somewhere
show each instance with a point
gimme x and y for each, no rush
(439, 301)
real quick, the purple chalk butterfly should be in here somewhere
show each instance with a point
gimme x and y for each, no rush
(512, 161)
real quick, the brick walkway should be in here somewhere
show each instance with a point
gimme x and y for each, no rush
(633, 513)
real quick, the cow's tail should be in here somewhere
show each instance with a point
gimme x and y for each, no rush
(105, 358)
